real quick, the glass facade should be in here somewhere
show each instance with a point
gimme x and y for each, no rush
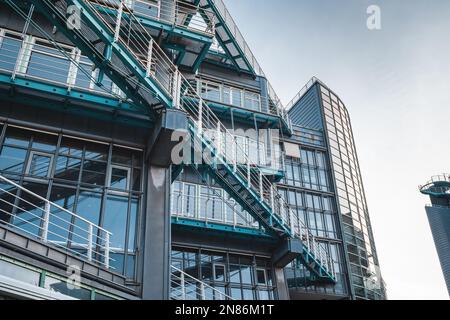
(242, 277)
(307, 189)
(364, 267)
(100, 182)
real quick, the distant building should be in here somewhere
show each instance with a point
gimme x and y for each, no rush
(439, 218)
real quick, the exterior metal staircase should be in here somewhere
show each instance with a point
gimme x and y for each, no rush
(123, 50)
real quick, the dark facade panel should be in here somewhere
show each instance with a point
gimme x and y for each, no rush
(306, 112)
(439, 218)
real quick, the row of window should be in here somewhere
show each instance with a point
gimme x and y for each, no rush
(352, 203)
(79, 176)
(309, 171)
(229, 95)
(238, 276)
(315, 211)
(52, 282)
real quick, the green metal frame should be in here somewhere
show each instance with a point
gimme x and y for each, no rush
(223, 228)
(75, 101)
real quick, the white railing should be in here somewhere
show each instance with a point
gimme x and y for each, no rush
(185, 287)
(179, 13)
(239, 38)
(302, 91)
(139, 43)
(34, 215)
(69, 70)
(430, 185)
(228, 212)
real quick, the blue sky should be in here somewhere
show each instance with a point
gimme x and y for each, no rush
(396, 84)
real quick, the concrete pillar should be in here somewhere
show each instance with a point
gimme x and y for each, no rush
(157, 247)
(281, 283)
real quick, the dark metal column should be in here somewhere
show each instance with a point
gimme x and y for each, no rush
(156, 271)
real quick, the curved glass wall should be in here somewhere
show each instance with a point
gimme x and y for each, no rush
(364, 267)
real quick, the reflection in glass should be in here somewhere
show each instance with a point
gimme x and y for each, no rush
(39, 165)
(12, 159)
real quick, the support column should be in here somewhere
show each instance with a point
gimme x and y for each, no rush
(280, 282)
(157, 247)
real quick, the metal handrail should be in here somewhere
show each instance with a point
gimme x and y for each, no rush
(183, 214)
(232, 26)
(94, 236)
(201, 285)
(179, 13)
(302, 91)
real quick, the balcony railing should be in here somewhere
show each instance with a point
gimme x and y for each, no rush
(179, 13)
(35, 58)
(240, 98)
(190, 202)
(28, 212)
(183, 286)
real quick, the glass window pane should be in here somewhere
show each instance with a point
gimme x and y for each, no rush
(12, 159)
(246, 273)
(94, 172)
(68, 168)
(247, 294)
(219, 273)
(20, 273)
(131, 262)
(71, 147)
(261, 277)
(62, 287)
(136, 179)
(132, 230)
(236, 293)
(48, 67)
(115, 221)
(17, 137)
(9, 51)
(61, 220)
(119, 178)
(7, 199)
(88, 207)
(44, 142)
(121, 156)
(39, 165)
(96, 151)
(235, 273)
(30, 213)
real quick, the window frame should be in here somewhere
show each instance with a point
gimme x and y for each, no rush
(30, 159)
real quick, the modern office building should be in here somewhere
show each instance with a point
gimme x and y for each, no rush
(145, 155)
(438, 189)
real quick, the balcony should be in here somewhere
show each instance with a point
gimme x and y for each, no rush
(180, 26)
(37, 67)
(47, 222)
(209, 207)
(179, 13)
(247, 105)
